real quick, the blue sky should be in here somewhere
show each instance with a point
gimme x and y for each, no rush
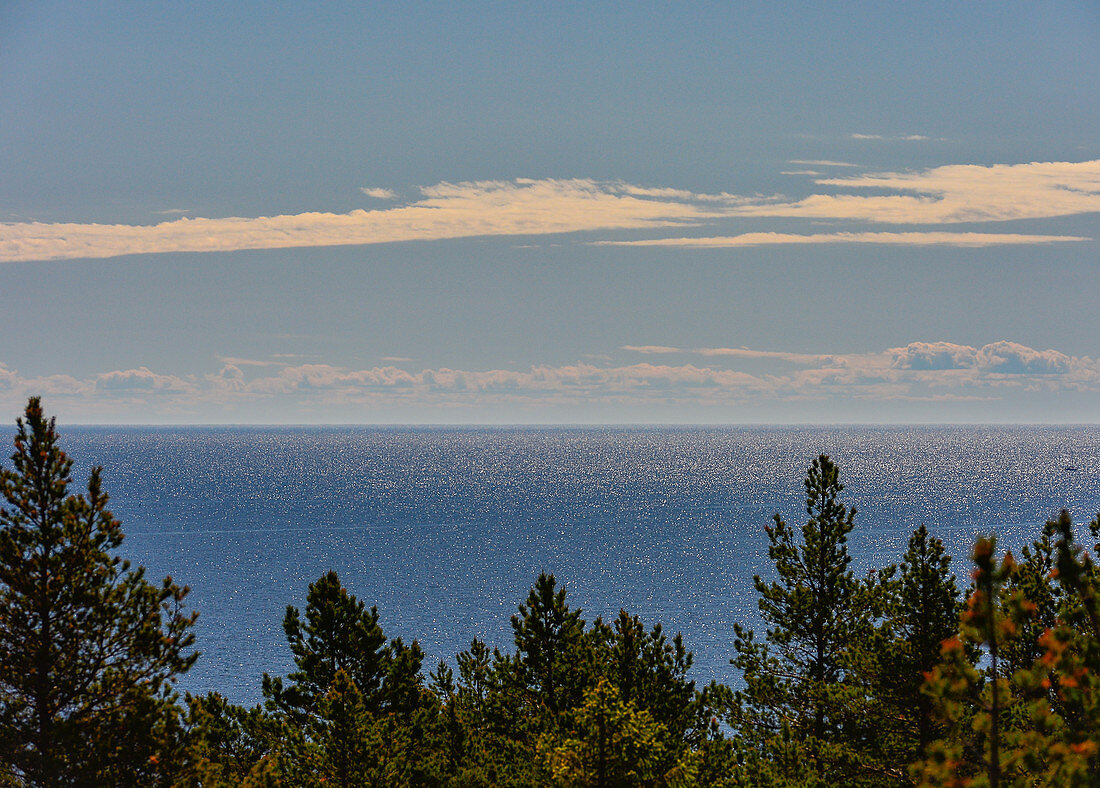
(548, 213)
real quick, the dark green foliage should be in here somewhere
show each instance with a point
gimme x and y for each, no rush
(550, 662)
(917, 606)
(796, 683)
(576, 705)
(339, 634)
(355, 711)
(923, 613)
(834, 694)
(611, 743)
(89, 649)
(650, 674)
(226, 745)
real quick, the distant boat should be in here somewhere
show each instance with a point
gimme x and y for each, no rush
(1072, 468)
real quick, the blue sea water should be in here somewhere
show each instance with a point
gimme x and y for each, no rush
(446, 529)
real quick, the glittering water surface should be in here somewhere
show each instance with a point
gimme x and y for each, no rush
(445, 530)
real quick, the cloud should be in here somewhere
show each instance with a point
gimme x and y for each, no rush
(823, 163)
(446, 210)
(141, 379)
(890, 138)
(683, 194)
(998, 358)
(934, 356)
(250, 362)
(996, 361)
(526, 207)
(957, 193)
(648, 349)
(734, 352)
(939, 364)
(379, 194)
(918, 371)
(8, 379)
(1010, 358)
(897, 239)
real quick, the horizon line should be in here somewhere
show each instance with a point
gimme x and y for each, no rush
(582, 424)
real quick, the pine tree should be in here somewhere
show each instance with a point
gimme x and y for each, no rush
(918, 607)
(89, 649)
(975, 702)
(550, 650)
(226, 746)
(1015, 722)
(340, 633)
(352, 692)
(796, 681)
(650, 673)
(612, 744)
(491, 720)
(1069, 666)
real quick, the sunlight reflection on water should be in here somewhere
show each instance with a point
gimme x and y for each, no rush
(445, 530)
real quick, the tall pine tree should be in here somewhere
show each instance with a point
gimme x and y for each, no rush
(917, 606)
(795, 681)
(89, 649)
(353, 693)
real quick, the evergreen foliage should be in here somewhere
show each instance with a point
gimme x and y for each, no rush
(1030, 718)
(89, 649)
(612, 743)
(354, 712)
(797, 683)
(917, 607)
(549, 668)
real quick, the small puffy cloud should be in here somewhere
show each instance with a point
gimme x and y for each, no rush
(230, 378)
(8, 379)
(890, 138)
(379, 194)
(822, 163)
(141, 379)
(1010, 358)
(935, 356)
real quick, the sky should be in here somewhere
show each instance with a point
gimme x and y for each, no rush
(550, 213)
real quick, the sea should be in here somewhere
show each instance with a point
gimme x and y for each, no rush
(445, 529)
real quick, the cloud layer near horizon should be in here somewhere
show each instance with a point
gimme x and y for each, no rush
(897, 239)
(938, 196)
(917, 371)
